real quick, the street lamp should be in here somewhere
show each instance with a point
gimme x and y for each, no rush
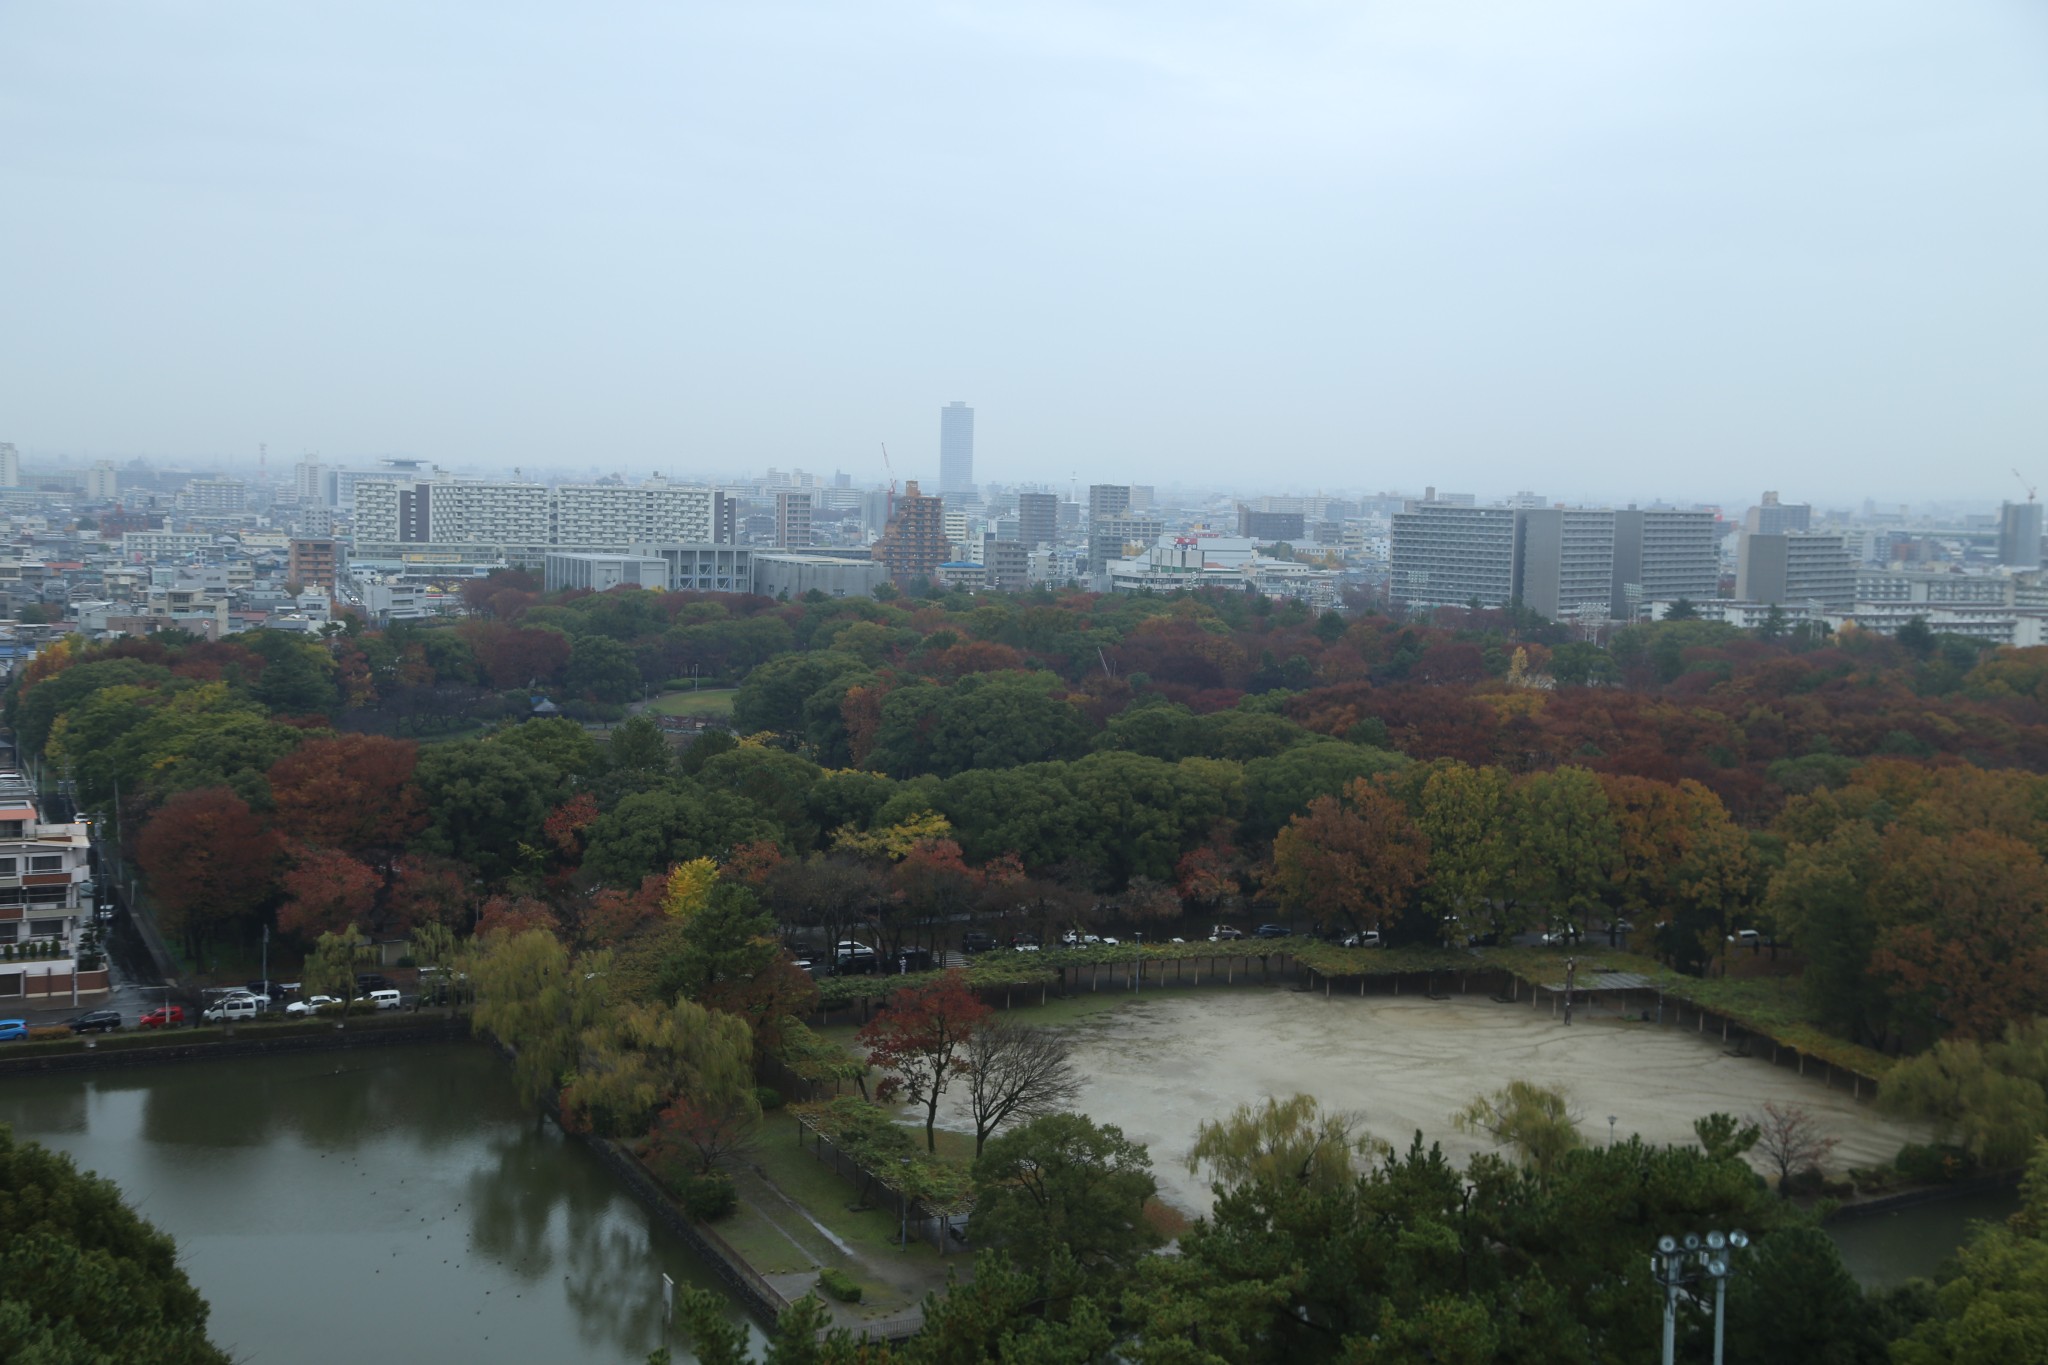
(1612, 1119)
(1680, 1263)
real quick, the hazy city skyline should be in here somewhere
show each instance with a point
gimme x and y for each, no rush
(1601, 251)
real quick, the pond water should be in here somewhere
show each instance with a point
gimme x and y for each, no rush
(1885, 1249)
(381, 1203)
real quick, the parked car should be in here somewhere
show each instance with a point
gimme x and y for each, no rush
(299, 1009)
(371, 981)
(163, 1016)
(233, 1009)
(95, 1021)
(262, 1001)
(381, 1000)
(1223, 933)
(11, 1029)
(1074, 938)
(1747, 938)
(976, 942)
(1272, 931)
(1369, 939)
(1024, 941)
(268, 990)
(851, 948)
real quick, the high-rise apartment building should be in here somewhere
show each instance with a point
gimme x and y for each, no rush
(10, 465)
(1564, 560)
(914, 545)
(1268, 527)
(314, 562)
(1007, 564)
(1662, 556)
(1108, 500)
(102, 482)
(215, 497)
(792, 518)
(1446, 555)
(1774, 518)
(1112, 537)
(2019, 535)
(956, 451)
(1796, 567)
(1038, 519)
(526, 520)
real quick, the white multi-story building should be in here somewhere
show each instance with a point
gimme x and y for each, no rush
(165, 544)
(522, 522)
(1446, 555)
(215, 497)
(46, 896)
(102, 482)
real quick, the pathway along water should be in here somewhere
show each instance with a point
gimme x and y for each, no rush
(384, 1203)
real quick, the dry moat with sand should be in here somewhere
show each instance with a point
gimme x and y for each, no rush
(1159, 1066)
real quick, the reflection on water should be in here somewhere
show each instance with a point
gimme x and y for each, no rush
(390, 1196)
(1885, 1249)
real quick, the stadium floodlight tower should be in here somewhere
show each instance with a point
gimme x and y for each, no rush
(1681, 1263)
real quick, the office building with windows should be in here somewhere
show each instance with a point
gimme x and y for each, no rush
(956, 451)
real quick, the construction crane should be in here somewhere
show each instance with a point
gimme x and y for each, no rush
(2024, 484)
(890, 515)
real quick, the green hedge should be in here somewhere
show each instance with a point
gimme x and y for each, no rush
(839, 1284)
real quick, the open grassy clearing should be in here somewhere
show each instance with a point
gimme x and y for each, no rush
(703, 702)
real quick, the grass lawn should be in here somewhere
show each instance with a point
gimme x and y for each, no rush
(826, 1194)
(704, 702)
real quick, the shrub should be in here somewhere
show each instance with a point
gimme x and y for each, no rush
(769, 1097)
(46, 1033)
(1925, 1163)
(708, 1198)
(1807, 1182)
(839, 1284)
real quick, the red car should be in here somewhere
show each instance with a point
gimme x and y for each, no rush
(171, 1015)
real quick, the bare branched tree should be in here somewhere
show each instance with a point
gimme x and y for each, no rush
(1790, 1140)
(1016, 1071)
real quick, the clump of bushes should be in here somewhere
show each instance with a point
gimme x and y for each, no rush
(839, 1284)
(708, 1198)
(1931, 1163)
(768, 1097)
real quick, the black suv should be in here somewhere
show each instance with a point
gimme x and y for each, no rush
(1272, 931)
(975, 942)
(95, 1021)
(372, 981)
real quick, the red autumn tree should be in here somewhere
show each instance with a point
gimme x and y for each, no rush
(515, 915)
(752, 864)
(353, 792)
(700, 1136)
(567, 824)
(613, 914)
(922, 1036)
(209, 862)
(933, 884)
(327, 891)
(430, 890)
(1349, 863)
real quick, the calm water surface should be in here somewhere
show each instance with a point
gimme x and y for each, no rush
(386, 1203)
(1886, 1249)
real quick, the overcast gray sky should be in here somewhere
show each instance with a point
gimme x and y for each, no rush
(1586, 247)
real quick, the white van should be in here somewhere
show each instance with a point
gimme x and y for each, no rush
(383, 1000)
(236, 1009)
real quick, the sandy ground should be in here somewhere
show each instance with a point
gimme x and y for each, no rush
(1161, 1066)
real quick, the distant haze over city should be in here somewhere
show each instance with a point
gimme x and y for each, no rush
(1605, 252)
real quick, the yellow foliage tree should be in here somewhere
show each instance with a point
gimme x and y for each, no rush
(896, 841)
(689, 888)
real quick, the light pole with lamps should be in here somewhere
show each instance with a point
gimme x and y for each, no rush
(1680, 1263)
(1612, 1119)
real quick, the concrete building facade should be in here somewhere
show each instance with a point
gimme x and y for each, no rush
(956, 451)
(1564, 560)
(314, 563)
(1796, 567)
(914, 545)
(792, 518)
(1447, 555)
(1038, 519)
(1663, 556)
(2019, 535)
